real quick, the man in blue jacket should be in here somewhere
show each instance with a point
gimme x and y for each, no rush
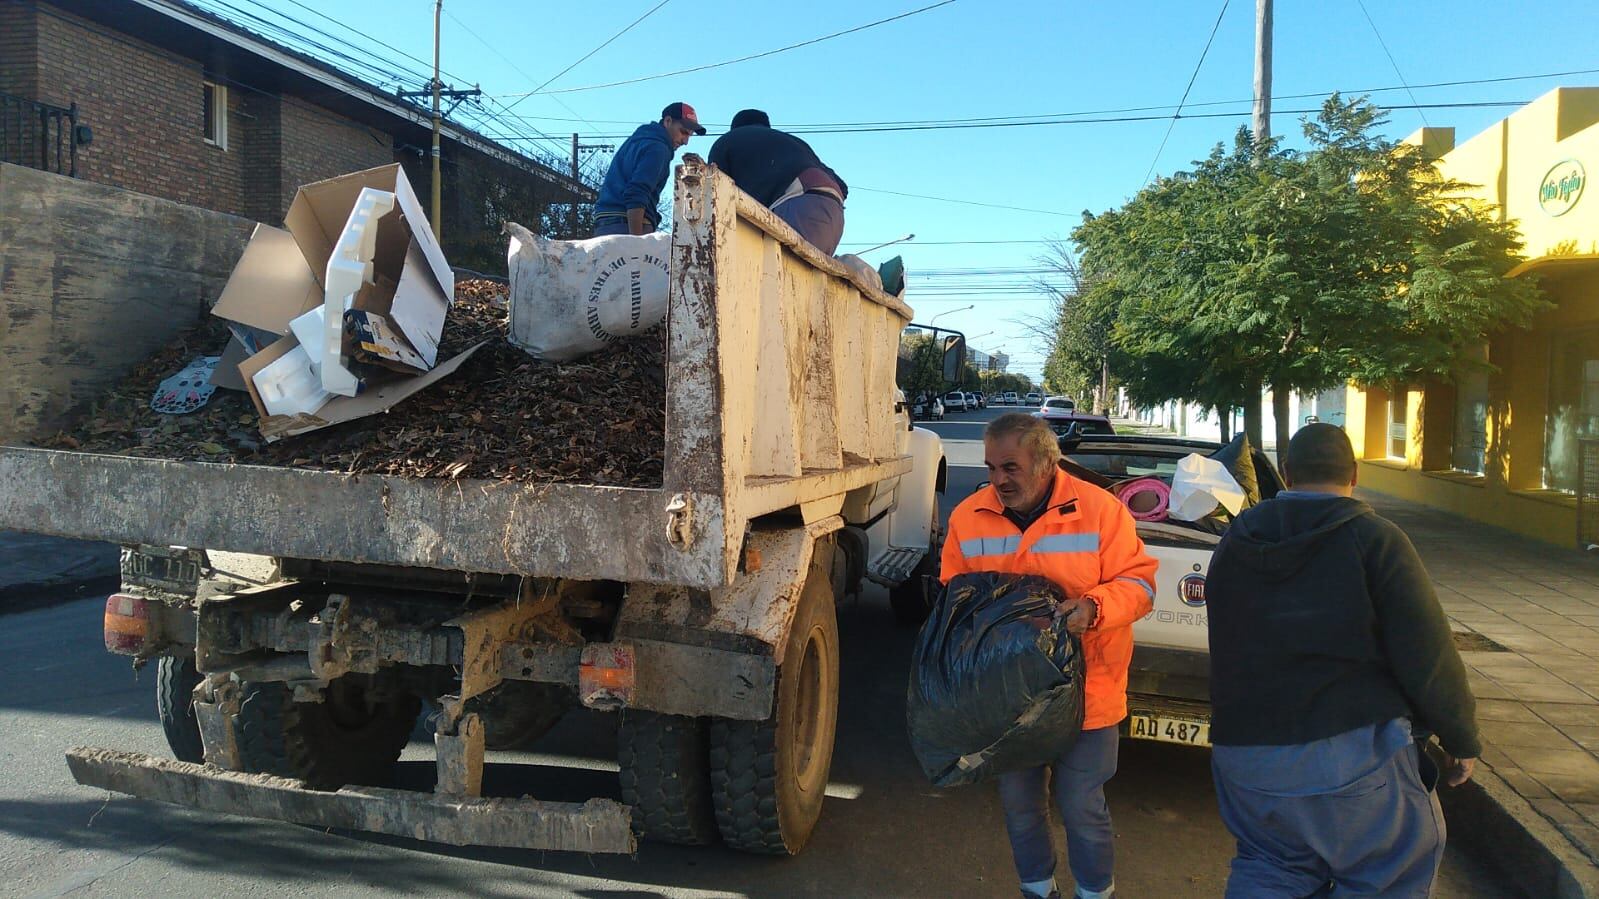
(630, 196)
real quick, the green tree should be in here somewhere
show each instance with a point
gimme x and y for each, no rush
(1264, 267)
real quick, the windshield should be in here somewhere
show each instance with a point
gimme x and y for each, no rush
(1059, 404)
(1127, 465)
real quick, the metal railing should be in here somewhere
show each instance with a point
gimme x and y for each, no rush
(39, 135)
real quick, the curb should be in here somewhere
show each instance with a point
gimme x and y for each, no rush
(37, 595)
(1504, 831)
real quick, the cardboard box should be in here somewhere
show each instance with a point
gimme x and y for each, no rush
(283, 272)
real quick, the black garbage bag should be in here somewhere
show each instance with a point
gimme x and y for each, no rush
(1239, 458)
(996, 683)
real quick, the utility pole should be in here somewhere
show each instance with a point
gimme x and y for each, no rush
(436, 89)
(1261, 124)
(571, 206)
(1262, 118)
(438, 218)
(578, 148)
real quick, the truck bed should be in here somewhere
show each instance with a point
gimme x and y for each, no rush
(779, 396)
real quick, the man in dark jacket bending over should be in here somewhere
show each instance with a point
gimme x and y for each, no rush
(784, 173)
(1330, 658)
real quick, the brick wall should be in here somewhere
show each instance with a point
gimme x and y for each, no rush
(146, 108)
(319, 144)
(141, 103)
(18, 37)
(259, 151)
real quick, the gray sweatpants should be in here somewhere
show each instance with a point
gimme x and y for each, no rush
(1381, 834)
(819, 219)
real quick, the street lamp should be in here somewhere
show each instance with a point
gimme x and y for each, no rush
(941, 314)
(889, 244)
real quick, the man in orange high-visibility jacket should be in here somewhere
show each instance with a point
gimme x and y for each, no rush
(1037, 519)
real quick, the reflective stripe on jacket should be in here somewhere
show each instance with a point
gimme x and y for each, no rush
(1087, 543)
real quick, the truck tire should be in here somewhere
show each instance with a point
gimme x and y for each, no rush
(768, 777)
(913, 599)
(175, 680)
(325, 744)
(665, 775)
(517, 713)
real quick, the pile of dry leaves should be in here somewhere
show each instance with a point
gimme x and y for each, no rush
(504, 415)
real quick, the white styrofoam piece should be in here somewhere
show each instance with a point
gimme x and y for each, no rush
(287, 386)
(349, 267)
(309, 328)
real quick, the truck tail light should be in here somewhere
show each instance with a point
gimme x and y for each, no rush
(127, 624)
(605, 675)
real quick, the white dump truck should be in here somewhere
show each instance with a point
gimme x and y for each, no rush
(302, 619)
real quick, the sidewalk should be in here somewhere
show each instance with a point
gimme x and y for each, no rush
(1526, 615)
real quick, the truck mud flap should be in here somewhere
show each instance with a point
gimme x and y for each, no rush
(598, 825)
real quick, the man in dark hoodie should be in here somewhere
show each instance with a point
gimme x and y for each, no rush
(783, 172)
(631, 192)
(1330, 661)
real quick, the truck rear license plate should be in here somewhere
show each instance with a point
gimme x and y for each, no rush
(1167, 729)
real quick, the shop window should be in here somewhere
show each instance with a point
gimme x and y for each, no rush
(1469, 448)
(1398, 422)
(1573, 406)
(216, 114)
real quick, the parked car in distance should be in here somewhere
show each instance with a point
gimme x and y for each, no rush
(1063, 423)
(1035, 399)
(974, 401)
(928, 409)
(1058, 404)
(1010, 398)
(955, 401)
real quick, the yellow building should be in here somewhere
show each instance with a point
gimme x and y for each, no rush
(1504, 448)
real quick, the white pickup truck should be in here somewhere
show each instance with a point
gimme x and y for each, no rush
(1169, 683)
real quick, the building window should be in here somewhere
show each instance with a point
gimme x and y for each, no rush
(1469, 449)
(1573, 406)
(1398, 422)
(216, 114)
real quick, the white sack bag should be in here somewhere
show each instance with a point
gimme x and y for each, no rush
(1198, 485)
(570, 298)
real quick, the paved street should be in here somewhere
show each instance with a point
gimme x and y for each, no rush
(884, 832)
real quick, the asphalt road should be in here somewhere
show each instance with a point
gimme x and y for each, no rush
(884, 832)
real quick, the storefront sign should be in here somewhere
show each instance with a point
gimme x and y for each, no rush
(1562, 187)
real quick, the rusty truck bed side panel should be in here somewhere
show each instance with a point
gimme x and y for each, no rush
(780, 395)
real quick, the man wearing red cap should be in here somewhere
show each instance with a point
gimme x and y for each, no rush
(630, 196)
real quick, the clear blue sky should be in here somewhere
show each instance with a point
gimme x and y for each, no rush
(964, 60)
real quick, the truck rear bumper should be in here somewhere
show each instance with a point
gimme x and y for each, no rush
(598, 825)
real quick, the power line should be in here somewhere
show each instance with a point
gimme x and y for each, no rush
(1391, 61)
(1104, 120)
(941, 243)
(399, 74)
(588, 54)
(717, 65)
(961, 202)
(1504, 79)
(1191, 78)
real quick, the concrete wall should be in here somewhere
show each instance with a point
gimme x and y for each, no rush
(92, 280)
